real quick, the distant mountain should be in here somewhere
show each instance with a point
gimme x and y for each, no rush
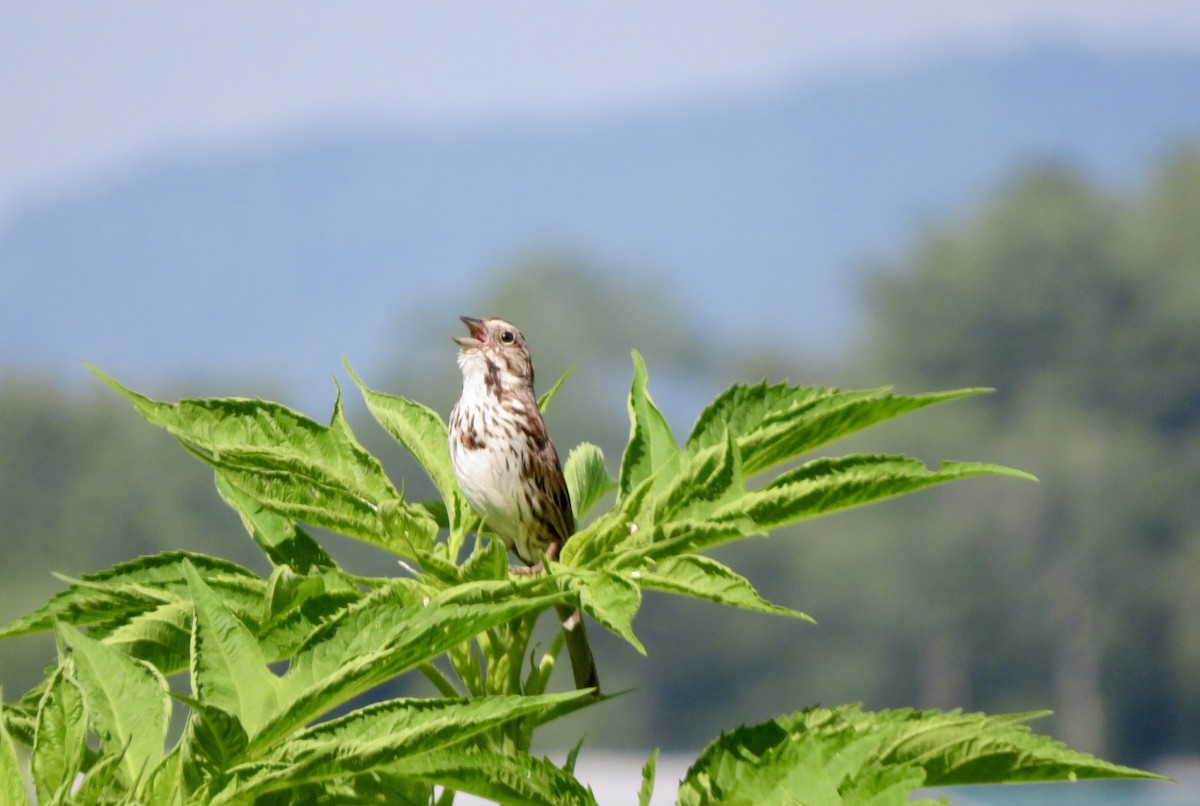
(755, 212)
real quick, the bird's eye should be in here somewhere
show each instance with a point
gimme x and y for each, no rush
(508, 337)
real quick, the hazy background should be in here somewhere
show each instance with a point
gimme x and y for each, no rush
(224, 200)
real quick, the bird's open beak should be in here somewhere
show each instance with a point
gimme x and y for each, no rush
(478, 334)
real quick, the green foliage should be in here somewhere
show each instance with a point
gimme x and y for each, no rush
(1079, 303)
(266, 733)
(12, 785)
(846, 755)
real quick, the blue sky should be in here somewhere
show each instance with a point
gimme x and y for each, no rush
(88, 90)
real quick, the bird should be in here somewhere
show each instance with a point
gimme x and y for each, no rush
(507, 466)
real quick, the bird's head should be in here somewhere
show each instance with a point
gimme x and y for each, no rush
(495, 350)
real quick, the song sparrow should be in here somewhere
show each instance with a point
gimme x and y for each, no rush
(507, 466)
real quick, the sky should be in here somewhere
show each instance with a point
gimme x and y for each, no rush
(91, 90)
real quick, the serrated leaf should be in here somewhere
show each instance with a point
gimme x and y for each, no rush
(685, 537)
(20, 718)
(390, 524)
(587, 478)
(843, 754)
(112, 596)
(229, 671)
(775, 423)
(517, 779)
(600, 540)
(257, 433)
(647, 789)
(769, 764)
(213, 741)
(164, 785)
(610, 599)
(650, 441)
(103, 776)
(291, 464)
(423, 434)
(357, 629)
(284, 635)
(283, 541)
(387, 734)
(956, 748)
(162, 636)
(298, 601)
(706, 479)
(489, 560)
(12, 783)
(510, 779)
(830, 485)
(705, 578)
(59, 740)
(127, 700)
(741, 409)
(334, 666)
(412, 724)
(785, 435)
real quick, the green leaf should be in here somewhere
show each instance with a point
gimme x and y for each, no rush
(601, 539)
(573, 757)
(770, 764)
(705, 578)
(587, 478)
(102, 779)
(776, 423)
(59, 742)
(956, 748)
(259, 434)
(707, 478)
(789, 434)
(683, 537)
(229, 670)
(650, 441)
(292, 465)
(213, 741)
(12, 783)
(387, 733)
(162, 636)
(741, 409)
(335, 666)
(284, 542)
(828, 485)
(326, 503)
(126, 698)
(286, 633)
(164, 786)
(111, 597)
(544, 401)
(845, 755)
(423, 434)
(358, 629)
(647, 788)
(610, 599)
(410, 726)
(489, 560)
(509, 778)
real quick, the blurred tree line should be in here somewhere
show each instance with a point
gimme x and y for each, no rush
(1080, 304)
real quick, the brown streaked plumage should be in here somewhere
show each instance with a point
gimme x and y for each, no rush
(508, 467)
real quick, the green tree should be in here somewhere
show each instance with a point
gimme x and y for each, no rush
(1079, 304)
